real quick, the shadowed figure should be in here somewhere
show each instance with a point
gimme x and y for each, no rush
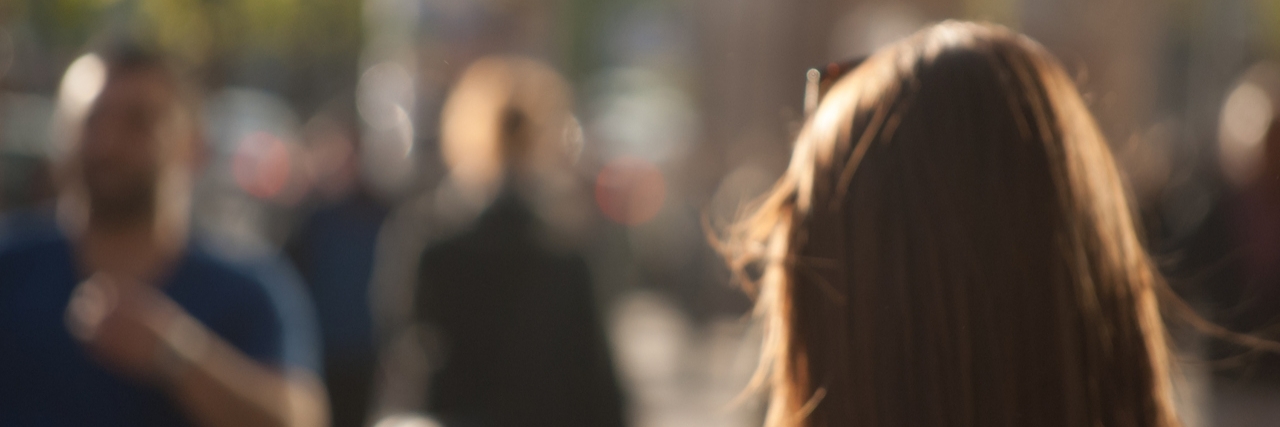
(512, 305)
(523, 344)
(334, 250)
(1232, 260)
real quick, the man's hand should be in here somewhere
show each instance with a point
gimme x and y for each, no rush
(129, 327)
(139, 332)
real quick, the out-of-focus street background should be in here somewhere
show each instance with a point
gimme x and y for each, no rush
(685, 110)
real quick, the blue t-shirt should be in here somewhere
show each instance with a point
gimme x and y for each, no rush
(47, 378)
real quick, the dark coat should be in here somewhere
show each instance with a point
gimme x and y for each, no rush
(521, 342)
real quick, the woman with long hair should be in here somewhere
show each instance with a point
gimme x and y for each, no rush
(952, 246)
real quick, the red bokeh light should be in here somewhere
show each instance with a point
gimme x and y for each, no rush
(630, 191)
(261, 165)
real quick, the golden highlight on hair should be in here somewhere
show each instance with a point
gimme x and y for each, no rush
(951, 245)
(505, 112)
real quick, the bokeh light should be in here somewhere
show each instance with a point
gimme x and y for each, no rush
(1246, 116)
(630, 191)
(80, 85)
(261, 165)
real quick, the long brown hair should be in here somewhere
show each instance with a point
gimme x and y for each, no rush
(952, 246)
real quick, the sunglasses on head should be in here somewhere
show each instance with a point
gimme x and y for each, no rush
(820, 79)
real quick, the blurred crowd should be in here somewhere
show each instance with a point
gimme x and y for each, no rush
(495, 213)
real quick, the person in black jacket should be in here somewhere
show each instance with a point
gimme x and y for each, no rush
(520, 343)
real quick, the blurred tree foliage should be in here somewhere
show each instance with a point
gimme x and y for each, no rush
(1003, 12)
(200, 30)
(1270, 14)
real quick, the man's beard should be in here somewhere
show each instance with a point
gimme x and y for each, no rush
(122, 208)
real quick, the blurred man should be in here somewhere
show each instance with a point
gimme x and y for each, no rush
(507, 298)
(111, 314)
(334, 251)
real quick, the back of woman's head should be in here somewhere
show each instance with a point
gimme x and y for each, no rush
(952, 246)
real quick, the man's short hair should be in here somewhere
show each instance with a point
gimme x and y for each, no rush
(126, 58)
(101, 64)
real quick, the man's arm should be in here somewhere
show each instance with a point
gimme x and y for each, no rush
(141, 333)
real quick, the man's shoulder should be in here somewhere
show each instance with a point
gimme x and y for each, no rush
(257, 268)
(258, 279)
(28, 233)
(266, 291)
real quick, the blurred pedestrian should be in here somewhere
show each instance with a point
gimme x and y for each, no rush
(1234, 257)
(952, 246)
(113, 313)
(334, 251)
(520, 341)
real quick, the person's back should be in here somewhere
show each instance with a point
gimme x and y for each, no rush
(522, 343)
(509, 297)
(952, 246)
